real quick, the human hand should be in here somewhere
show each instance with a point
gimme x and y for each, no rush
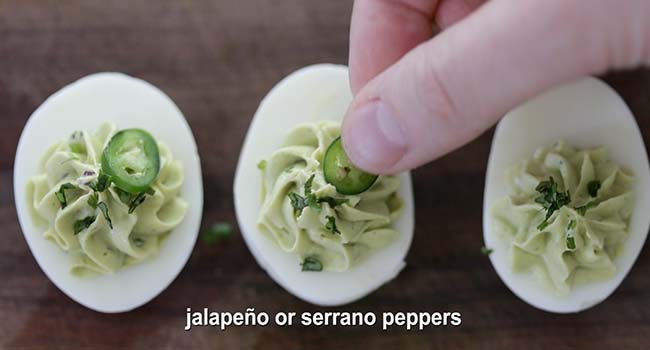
(418, 98)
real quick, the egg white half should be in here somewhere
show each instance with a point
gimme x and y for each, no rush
(586, 113)
(85, 104)
(318, 92)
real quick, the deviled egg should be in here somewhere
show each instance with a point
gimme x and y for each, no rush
(103, 208)
(567, 186)
(324, 230)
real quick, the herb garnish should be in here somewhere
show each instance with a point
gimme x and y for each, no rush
(217, 233)
(311, 200)
(331, 225)
(310, 197)
(486, 250)
(570, 242)
(60, 195)
(104, 209)
(133, 200)
(102, 183)
(550, 199)
(93, 202)
(571, 225)
(582, 210)
(593, 187)
(298, 202)
(83, 224)
(137, 200)
(570, 239)
(311, 264)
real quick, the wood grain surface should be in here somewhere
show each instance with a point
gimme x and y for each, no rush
(216, 59)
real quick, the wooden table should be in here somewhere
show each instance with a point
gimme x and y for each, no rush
(217, 59)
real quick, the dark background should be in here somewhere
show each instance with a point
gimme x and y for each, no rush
(217, 59)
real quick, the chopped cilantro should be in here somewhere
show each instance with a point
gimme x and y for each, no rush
(93, 200)
(133, 200)
(331, 225)
(60, 195)
(83, 224)
(217, 233)
(102, 183)
(310, 197)
(571, 225)
(593, 187)
(551, 199)
(311, 264)
(309, 184)
(570, 242)
(136, 201)
(582, 210)
(570, 239)
(298, 202)
(486, 250)
(311, 200)
(104, 209)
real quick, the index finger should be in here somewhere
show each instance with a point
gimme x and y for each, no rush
(382, 31)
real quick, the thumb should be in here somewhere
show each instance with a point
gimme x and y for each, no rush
(450, 89)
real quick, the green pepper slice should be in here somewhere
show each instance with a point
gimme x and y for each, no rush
(342, 174)
(132, 160)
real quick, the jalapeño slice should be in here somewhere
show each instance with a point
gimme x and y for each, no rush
(340, 172)
(132, 161)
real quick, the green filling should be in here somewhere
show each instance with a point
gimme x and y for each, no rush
(306, 216)
(566, 215)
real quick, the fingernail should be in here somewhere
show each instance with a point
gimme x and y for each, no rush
(373, 137)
